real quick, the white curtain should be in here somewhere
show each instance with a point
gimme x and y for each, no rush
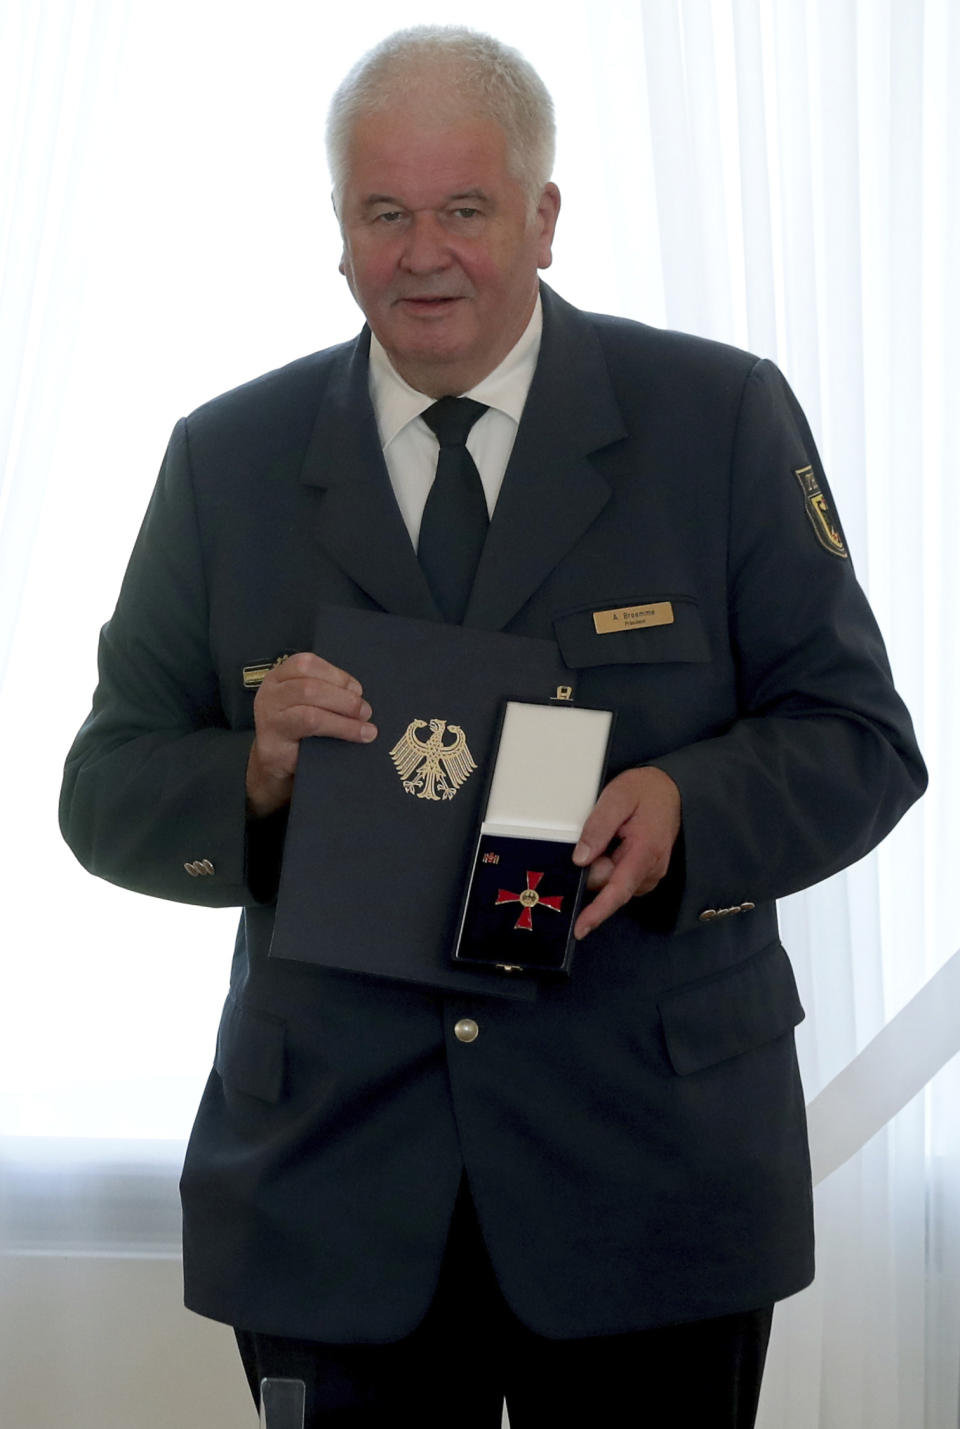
(781, 174)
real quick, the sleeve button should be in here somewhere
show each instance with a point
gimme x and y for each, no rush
(199, 868)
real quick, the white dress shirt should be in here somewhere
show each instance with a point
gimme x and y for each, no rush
(410, 448)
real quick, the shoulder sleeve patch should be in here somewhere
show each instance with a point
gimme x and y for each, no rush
(825, 525)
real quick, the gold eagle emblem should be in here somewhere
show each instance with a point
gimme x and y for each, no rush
(429, 768)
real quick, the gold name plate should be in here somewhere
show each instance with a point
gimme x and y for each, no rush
(632, 617)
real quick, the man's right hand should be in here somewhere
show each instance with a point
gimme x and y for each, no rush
(304, 696)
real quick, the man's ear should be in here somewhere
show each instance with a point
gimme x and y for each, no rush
(333, 205)
(547, 211)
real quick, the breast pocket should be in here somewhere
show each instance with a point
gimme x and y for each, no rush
(654, 629)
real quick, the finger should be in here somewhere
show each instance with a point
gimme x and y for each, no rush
(306, 665)
(635, 868)
(598, 872)
(308, 693)
(617, 890)
(286, 712)
(303, 721)
(276, 749)
(614, 806)
(287, 725)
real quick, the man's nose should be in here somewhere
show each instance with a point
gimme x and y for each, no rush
(426, 249)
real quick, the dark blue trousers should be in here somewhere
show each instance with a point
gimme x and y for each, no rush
(471, 1352)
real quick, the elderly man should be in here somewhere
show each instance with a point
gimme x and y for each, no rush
(418, 1200)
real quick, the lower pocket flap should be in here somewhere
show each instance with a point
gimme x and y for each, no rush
(730, 1013)
(250, 1052)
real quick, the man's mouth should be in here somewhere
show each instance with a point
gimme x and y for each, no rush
(428, 302)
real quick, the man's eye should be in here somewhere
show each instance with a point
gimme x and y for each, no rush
(467, 212)
(390, 216)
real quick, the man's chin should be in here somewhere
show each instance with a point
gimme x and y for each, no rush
(438, 369)
(429, 343)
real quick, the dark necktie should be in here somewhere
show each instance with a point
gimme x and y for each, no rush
(454, 524)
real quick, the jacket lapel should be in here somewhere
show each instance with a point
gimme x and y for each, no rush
(360, 524)
(551, 491)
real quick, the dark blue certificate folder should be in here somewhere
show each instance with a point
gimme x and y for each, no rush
(381, 837)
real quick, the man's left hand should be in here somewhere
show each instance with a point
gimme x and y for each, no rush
(639, 814)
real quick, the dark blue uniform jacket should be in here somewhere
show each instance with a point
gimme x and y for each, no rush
(634, 1139)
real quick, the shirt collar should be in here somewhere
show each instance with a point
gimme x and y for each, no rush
(396, 403)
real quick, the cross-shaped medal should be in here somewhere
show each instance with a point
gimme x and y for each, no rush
(529, 899)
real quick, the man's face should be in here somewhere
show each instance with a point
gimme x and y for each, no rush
(440, 248)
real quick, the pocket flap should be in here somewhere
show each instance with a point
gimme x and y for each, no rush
(732, 1012)
(682, 639)
(250, 1052)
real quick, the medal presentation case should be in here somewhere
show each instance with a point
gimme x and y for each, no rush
(523, 891)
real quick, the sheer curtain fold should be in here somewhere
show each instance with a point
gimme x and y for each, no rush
(755, 195)
(57, 70)
(781, 174)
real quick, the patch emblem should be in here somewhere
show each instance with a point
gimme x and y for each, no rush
(825, 525)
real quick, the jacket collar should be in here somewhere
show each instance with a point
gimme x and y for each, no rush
(551, 490)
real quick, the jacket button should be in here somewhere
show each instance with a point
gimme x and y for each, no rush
(192, 869)
(747, 907)
(708, 915)
(206, 866)
(466, 1030)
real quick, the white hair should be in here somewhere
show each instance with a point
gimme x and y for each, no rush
(468, 69)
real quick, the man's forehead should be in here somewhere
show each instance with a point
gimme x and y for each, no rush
(398, 133)
(392, 155)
